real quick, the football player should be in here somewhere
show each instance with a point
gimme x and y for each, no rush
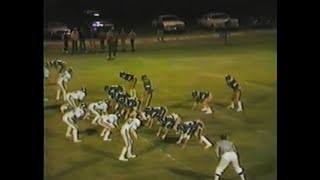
(98, 109)
(112, 92)
(108, 122)
(188, 129)
(154, 112)
(62, 81)
(132, 79)
(148, 90)
(46, 78)
(169, 122)
(131, 104)
(236, 95)
(129, 127)
(76, 96)
(59, 65)
(203, 98)
(70, 118)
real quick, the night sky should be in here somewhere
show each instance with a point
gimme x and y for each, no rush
(144, 10)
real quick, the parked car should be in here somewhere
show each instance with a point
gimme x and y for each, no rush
(102, 24)
(55, 29)
(261, 22)
(169, 23)
(219, 20)
(99, 26)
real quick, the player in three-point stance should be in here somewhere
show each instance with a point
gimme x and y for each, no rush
(70, 118)
(76, 97)
(236, 95)
(108, 122)
(62, 81)
(203, 98)
(168, 122)
(127, 129)
(227, 152)
(154, 113)
(188, 129)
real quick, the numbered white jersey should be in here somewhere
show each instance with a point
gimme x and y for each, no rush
(132, 123)
(111, 119)
(75, 114)
(65, 77)
(101, 105)
(79, 95)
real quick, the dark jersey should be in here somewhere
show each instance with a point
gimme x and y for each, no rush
(59, 65)
(148, 86)
(132, 102)
(232, 83)
(114, 90)
(156, 112)
(201, 96)
(168, 121)
(122, 98)
(188, 127)
(127, 76)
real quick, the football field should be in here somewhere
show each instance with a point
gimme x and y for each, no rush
(176, 68)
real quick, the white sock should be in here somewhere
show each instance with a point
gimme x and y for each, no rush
(204, 109)
(106, 136)
(205, 140)
(232, 104)
(209, 111)
(216, 177)
(242, 177)
(103, 132)
(129, 152)
(123, 152)
(240, 105)
(58, 94)
(75, 135)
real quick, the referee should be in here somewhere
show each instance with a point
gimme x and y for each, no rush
(227, 152)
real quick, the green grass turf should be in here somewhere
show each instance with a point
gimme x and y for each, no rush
(175, 68)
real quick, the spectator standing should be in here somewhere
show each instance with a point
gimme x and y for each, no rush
(123, 37)
(75, 39)
(132, 36)
(65, 38)
(92, 40)
(82, 38)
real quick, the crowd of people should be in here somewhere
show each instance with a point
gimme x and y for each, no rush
(82, 41)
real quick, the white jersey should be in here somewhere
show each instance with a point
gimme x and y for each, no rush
(46, 72)
(65, 77)
(75, 114)
(132, 123)
(101, 105)
(111, 119)
(79, 95)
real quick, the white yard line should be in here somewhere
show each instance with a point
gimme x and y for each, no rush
(167, 154)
